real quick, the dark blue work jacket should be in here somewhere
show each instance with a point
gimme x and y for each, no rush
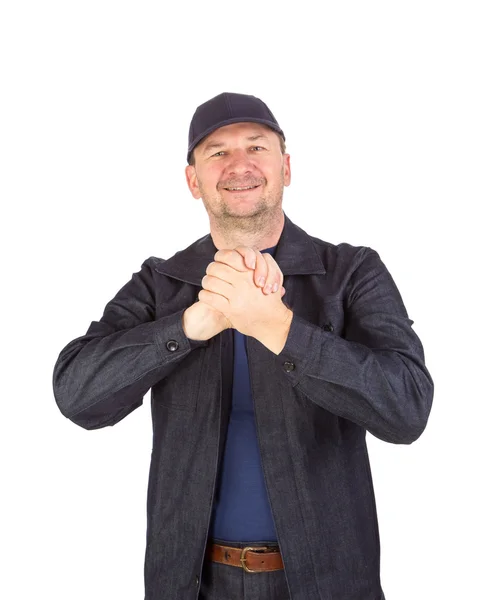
(352, 363)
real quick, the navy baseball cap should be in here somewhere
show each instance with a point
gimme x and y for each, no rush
(225, 109)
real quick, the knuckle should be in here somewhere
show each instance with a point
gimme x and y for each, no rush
(210, 266)
(222, 254)
(240, 250)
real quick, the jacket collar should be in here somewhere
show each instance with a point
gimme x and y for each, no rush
(295, 254)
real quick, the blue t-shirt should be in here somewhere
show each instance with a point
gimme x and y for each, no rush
(241, 510)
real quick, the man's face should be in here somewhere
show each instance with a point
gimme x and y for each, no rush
(239, 172)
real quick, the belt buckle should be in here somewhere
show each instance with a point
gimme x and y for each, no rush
(243, 559)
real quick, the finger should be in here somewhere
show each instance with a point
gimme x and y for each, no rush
(217, 286)
(232, 258)
(223, 271)
(261, 270)
(275, 277)
(215, 300)
(249, 255)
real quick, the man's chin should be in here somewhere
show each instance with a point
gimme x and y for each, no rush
(244, 206)
(242, 214)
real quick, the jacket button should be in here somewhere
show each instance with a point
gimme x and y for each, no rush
(289, 366)
(172, 345)
(328, 327)
(197, 580)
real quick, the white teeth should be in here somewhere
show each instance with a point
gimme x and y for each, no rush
(239, 189)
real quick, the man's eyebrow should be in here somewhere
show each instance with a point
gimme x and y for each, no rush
(212, 146)
(259, 136)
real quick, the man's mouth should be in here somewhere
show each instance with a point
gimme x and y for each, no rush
(241, 188)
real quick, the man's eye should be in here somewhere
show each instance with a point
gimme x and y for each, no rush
(220, 153)
(257, 148)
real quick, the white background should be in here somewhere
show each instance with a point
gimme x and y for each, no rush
(392, 117)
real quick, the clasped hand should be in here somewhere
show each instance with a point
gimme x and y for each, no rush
(233, 286)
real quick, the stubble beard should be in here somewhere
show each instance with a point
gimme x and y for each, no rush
(228, 219)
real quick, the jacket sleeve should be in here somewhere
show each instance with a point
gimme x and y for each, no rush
(375, 375)
(101, 377)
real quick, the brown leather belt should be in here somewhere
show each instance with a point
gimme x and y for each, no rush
(253, 559)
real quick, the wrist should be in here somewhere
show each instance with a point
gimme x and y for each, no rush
(274, 335)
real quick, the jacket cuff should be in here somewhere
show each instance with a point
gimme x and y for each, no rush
(302, 348)
(171, 339)
(198, 343)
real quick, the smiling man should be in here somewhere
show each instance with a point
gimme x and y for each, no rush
(269, 354)
(239, 170)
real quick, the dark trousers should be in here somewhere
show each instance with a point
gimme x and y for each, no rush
(224, 582)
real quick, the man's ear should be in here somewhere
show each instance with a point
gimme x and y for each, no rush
(192, 181)
(287, 169)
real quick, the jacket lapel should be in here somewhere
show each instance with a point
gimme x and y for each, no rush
(295, 254)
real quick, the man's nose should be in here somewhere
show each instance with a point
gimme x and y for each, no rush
(240, 162)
